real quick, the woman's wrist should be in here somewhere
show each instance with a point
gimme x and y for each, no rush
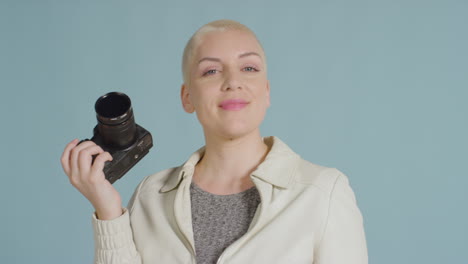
(109, 214)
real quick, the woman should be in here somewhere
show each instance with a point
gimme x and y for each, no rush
(241, 198)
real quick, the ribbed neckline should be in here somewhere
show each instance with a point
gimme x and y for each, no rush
(200, 190)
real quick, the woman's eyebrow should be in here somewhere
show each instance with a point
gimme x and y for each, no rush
(209, 59)
(243, 55)
(249, 54)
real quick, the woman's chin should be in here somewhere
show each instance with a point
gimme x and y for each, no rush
(234, 132)
(231, 128)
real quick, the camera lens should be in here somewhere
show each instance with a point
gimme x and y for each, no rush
(116, 123)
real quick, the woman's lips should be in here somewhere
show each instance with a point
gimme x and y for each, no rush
(233, 104)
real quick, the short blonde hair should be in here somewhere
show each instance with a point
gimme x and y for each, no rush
(217, 25)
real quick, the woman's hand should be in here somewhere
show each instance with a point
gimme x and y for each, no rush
(88, 177)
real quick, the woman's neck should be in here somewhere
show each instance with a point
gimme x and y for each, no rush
(227, 163)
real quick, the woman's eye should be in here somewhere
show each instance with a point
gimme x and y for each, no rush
(209, 72)
(250, 69)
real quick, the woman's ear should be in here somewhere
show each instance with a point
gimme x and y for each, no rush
(185, 98)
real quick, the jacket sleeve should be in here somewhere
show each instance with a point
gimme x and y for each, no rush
(113, 241)
(343, 240)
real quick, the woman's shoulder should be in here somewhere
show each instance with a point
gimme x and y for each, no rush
(305, 173)
(319, 176)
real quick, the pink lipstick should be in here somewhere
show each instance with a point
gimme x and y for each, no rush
(233, 104)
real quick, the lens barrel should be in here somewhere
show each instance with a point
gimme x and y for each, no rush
(116, 123)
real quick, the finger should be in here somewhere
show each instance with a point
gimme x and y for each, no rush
(99, 162)
(74, 168)
(85, 158)
(65, 159)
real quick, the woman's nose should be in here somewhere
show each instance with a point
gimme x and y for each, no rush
(232, 81)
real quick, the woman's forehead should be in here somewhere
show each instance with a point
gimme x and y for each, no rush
(227, 43)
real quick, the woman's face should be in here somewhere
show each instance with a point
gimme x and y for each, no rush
(228, 87)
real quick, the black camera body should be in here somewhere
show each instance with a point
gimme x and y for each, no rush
(118, 134)
(124, 159)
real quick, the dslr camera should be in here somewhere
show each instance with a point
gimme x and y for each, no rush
(117, 133)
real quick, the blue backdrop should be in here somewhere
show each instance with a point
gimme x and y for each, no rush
(377, 89)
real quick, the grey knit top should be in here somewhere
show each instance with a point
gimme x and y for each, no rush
(219, 220)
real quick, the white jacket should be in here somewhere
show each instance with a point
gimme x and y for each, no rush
(308, 214)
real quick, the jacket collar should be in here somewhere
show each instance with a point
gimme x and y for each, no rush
(280, 164)
(277, 169)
